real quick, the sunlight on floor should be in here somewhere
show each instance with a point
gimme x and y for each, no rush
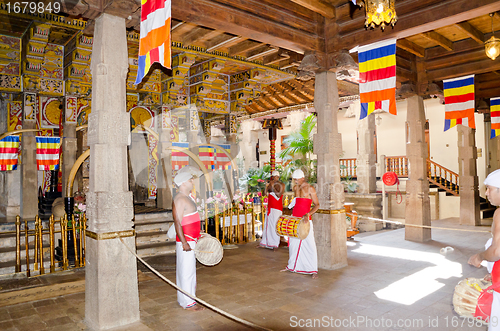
(412, 288)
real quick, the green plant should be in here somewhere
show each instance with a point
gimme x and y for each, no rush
(255, 179)
(300, 143)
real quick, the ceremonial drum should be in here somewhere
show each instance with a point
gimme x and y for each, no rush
(465, 298)
(208, 250)
(292, 226)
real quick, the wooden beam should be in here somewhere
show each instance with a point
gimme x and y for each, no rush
(471, 31)
(260, 104)
(209, 36)
(411, 47)
(276, 57)
(468, 68)
(438, 39)
(244, 46)
(260, 52)
(222, 17)
(222, 40)
(270, 102)
(317, 6)
(426, 18)
(194, 35)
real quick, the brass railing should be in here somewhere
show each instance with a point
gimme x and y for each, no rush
(436, 174)
(348, 168)
(75, 229)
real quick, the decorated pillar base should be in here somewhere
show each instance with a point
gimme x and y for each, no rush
(330, 235)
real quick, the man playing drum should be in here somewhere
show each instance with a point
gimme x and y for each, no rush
(492, 253)
(303, 257)
(187, 225)
(274, 190)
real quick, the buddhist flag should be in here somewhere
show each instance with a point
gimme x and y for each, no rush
(47, 152)
(207, 156)
(154, 45)
(459, 102)
(9, 152)
(495, 117)
(377, 77)
(222, 161)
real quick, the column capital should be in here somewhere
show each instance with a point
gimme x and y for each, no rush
(407, 89)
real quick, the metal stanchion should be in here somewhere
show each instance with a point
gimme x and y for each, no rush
(237, 222)
(18, 244)
(83, 235)
(64, 241)
(75, 244)
(26, 242)
(51, 244)
(206, 218)
(253, 222)
(40, 245)
(35, 253)
(216, 208)
(230, 215)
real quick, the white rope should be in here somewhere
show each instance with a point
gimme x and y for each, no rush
(417, 225)
(206, 304)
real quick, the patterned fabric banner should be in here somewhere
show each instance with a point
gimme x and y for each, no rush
(155, 44)
(207, 156)
(47, 152)
(152, 166)
(377, 77)
(179, 159)
(222, 161)
(459, 102)
(495, 116)
(9, 153)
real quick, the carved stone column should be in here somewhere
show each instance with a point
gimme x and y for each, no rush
(469, 182)
(418, 208)
(164, 192)
(69, 145)
(29, 174)
(366, 159)
(111, 290)
(330, 222)
(248, 143)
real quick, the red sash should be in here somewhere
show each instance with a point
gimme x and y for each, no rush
(190, 226)
(302, 207)
(274, 203)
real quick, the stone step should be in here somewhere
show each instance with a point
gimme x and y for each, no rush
(152, 218)
(144, 250)
(153, 226)
(151, 237)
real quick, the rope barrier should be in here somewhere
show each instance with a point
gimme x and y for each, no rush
(417, 225)
(204, 303)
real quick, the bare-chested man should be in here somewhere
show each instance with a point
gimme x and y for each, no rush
(187, 225)
(303, 256)
(274, 190)
(492, 253)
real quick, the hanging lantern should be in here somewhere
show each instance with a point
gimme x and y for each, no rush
(492, 45)
(380, 12)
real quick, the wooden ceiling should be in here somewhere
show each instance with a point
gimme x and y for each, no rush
(436, 40)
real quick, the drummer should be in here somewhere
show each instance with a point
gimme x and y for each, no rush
(492, 253)
(303, 256)
(275, 190)
(187, 225)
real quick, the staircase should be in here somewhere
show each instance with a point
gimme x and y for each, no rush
(151, 226)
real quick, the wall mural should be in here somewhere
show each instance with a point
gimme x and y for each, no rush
(49, 112)
(15, 109)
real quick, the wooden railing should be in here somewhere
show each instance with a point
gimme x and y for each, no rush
(436, 174)
(348, 168)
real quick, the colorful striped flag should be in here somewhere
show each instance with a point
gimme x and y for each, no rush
(179, 159)
(377, 77)
(222, 161)
(154, 45)
(495, 116)
(459, 102)
(47, 152)
(207, 154)
(9, 152)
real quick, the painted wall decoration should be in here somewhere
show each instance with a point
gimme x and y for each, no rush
(142, 115)
(166, 123)
(49, 112)
(83, 111)
(71, 109)
(194, 120)
(30, 106)
(132, 100)
(10, 83)
(15, 109)
(152, 166)
(174, 133)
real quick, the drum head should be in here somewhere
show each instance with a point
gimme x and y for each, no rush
(208, 251)
(303, 230)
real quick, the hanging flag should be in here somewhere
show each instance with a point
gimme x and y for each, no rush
(47, 152)
(154, 45)
(179, 159)
(495, 117)
(222, 161)
(9, 152)
(377, 77)
(459, 102)
(206, 154)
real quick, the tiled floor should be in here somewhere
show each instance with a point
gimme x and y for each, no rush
(389, 282)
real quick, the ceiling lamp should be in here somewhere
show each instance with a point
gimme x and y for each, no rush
(492, 45)
(380, 12)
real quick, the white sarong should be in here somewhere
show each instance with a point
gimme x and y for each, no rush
(185, 274)
(270, 238)
(494, 323)
(303, 256)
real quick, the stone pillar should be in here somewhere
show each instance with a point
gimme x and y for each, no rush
(231, 137)
(469, 182)
(418, 207)
(330, 222)
(111, 291)
(29, 174)
(249, 142)
(69, 149)
(366, 159)
(164, 192)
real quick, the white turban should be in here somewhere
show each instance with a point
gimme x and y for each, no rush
(275, 173)
(298, 174)
(493, 179)
(182, 177)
